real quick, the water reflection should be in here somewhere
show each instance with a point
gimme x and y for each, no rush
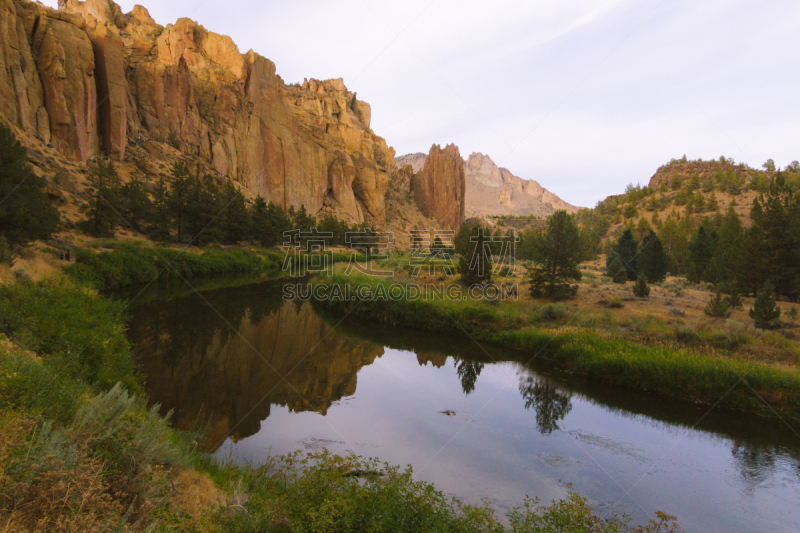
(548, 401)
(229, 354)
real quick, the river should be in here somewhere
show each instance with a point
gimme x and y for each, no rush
(263, 376)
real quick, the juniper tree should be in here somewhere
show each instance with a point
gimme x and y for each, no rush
(180, 189)
(765, 312)
(718, 306)
(475, 264)
(626, 250)
(557, 252)
(616, 271)
(26, 213)
(102, 209)
(653, 261)
(135, 204)
(641, 288)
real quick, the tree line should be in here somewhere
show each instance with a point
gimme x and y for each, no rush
(192, 208)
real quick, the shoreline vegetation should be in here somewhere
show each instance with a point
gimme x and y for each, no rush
(545, 332)
(80, 448)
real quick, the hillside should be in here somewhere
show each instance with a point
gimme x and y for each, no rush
(695, 190)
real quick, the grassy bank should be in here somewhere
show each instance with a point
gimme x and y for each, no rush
(135, 265)
(80, 449)
(598, 354)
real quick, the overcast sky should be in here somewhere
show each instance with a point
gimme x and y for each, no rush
(583, 96)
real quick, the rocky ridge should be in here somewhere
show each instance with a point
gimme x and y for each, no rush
(88, 80)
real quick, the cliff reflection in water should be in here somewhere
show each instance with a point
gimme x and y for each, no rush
(228, 371)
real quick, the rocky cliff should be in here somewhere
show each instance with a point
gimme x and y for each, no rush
(491, 190)
(439, 188)
(88, 80)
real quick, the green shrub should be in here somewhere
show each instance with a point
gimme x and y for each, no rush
(765, 312)
(718, 306)
(640, 288)
(75, 331)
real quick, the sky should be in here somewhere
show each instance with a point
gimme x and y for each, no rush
(583, 96)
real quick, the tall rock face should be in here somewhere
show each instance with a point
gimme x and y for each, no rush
(90, 79)
(492, 190)
(439, 188)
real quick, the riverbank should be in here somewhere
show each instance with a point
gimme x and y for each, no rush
(79, 447)
(599, 354)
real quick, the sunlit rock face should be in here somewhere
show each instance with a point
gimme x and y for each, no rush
(439, 187)
(90, 79)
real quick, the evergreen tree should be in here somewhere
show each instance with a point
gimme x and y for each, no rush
(181, 185)
(653, 261)
(26, 213)
(765, 312)
(260, 223)
(235, 220)
(102, 209)
(718, 306)
(135, 204)
(280, 223)
(462, 240)
(734, 299)
(641, 288)
(476, 265)
(701, 251)
(204, 211)
(616, 271)
(162, 219)
(557, 252)
(626, 250)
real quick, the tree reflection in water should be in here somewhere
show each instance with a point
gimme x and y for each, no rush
(468, 372)
(550, 403)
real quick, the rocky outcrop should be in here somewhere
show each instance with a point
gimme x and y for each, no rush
(439, 188)
(492, 190)
(91, 79)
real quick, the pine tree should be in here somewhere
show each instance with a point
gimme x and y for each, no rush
(260, 223)
(476, 265)
(616, 271)
(102, 209)
(718, 306)
(135, 204)
(180, 189)
(235, 220)
(557, 253)
(734, 299)
(204, 211)
(653, 261)
(701, 250)
(765, 312)
(26, 213)
(159, 229)
(626, 250)
(641, 288)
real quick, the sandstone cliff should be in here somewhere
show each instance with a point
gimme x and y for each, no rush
(439, 188)
(88, 80)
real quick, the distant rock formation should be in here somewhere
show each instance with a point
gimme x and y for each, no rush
(89, 80)
(496, 191)
(417, 161)
(439, 188)
(491, 190)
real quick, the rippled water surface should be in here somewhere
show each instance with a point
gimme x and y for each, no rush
(272, 377)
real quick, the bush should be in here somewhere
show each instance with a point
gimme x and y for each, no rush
(76, 332)
(640, 288)
(552, 312)
(6, 253)
(718, 306)
(765, 312)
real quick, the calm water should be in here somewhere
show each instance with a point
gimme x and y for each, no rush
(481, 423)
